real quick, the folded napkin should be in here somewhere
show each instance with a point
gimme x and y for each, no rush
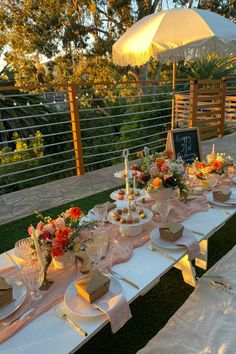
(191, 243)
(231, 200)
(116, 308)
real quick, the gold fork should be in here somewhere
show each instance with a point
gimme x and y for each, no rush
(64, 316)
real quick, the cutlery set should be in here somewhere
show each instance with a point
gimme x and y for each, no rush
(64, 316)
(121, 277)
(153, 248)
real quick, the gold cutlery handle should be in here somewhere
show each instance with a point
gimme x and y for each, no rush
(163, 253)
(131, 283)
(76, 327)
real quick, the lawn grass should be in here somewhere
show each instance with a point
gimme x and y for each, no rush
(150, 312)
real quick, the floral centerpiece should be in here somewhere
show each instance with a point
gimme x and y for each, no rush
(57, 237)
(215, 163)
(158, 172)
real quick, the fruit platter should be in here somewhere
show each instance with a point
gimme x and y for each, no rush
(130, 220)
(134, 194)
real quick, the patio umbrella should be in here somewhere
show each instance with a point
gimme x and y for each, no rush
(173, 35)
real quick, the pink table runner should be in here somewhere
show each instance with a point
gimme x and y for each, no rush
(120, 250)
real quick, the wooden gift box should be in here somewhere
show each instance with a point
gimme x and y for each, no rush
(92, 286)
(6, 293)
(171, 232)
(222, 195)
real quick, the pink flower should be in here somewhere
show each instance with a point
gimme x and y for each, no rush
(164, 167)
(59, 223)
(154, 170)
(30, 230)
(49, 228)
(39, 226)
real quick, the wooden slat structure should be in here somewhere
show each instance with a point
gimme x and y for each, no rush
(230, 110)
(208, 107)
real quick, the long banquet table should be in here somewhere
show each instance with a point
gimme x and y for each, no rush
(46, 331)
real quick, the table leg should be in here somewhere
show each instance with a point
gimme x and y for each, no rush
(188, 271)
(201, 261)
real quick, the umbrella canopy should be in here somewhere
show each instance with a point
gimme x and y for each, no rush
(174, 35)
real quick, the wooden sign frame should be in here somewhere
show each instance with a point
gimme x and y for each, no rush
(170, 146)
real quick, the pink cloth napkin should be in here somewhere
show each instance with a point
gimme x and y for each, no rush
(191, 243)
(116, 308)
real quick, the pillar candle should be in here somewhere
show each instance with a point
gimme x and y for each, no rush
(127, 186)
(125, 155)
(134, 183)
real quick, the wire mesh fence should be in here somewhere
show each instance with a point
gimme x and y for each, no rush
(37, 138)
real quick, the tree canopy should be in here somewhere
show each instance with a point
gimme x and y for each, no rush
(64, 40)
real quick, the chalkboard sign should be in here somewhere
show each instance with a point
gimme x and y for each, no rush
(184, 143)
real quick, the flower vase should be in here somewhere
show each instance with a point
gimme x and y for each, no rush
(160, 195)
(65, 261)
(46, 282)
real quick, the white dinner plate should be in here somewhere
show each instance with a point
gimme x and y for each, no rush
(80, 307)
(210, 199)
(19, 295)
(155, 238)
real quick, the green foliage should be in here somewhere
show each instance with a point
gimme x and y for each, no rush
(13, 160)
(212, 67)
(21, 152)
(35, 31)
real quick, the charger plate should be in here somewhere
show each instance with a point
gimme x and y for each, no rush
(19, 295)
(228, 203)
(80, 307)
(155, 238)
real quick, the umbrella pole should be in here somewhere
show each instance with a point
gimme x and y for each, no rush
(173, 96)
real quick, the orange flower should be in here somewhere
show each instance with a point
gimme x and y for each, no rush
(160, 161)
(157, 182)
(75, 212)
(63, 234)
(217, 165)
(198, 164)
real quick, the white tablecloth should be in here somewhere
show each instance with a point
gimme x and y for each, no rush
(206, 323)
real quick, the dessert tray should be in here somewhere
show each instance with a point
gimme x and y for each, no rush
(119, 195)
(130, 225)
(80, 307)
(130, 174)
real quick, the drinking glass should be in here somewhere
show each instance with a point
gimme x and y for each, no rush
(163, 208)
(24, 249)
(212, 179)
(100, 211)
(95, 249)
(33, 275)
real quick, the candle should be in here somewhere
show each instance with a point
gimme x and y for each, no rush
(127, 186)
(125, 155)
(37, 248)
(134, 183)
(213, 150)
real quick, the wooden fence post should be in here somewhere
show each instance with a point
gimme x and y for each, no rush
(222, 107)
(75, 123)
(193, 103)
